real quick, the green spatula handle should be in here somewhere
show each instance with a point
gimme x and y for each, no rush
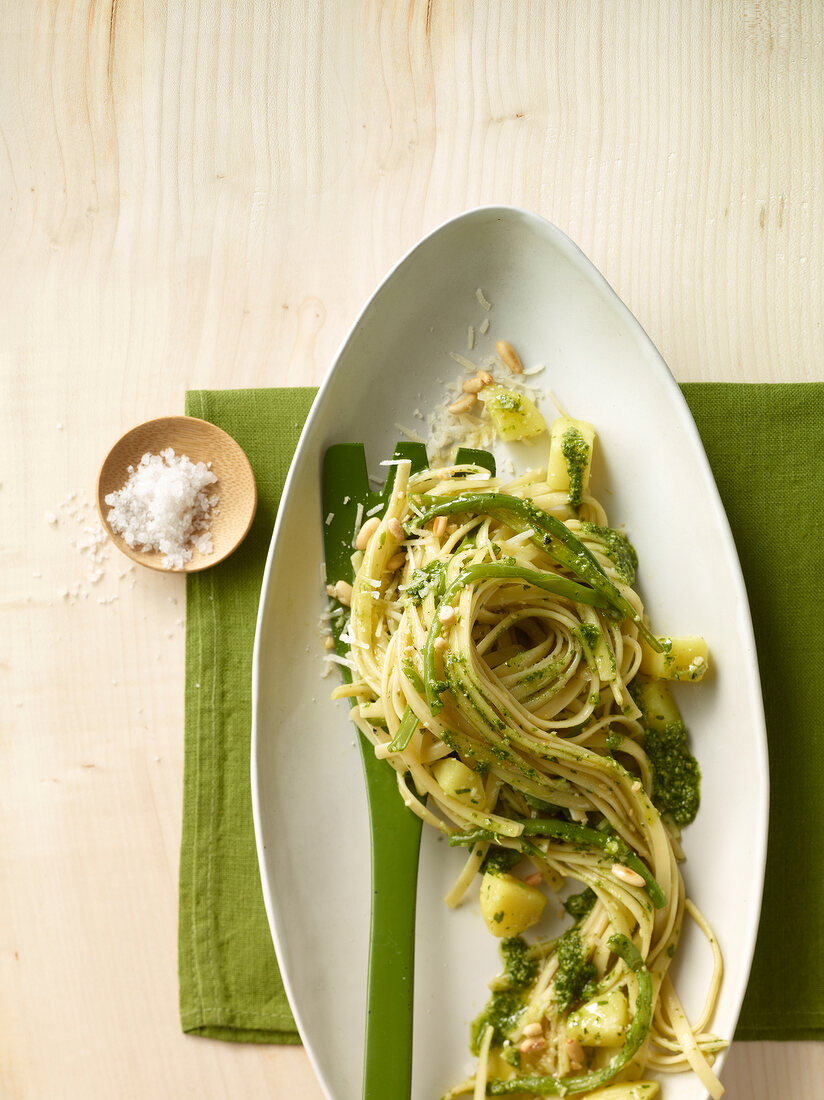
(396, 838)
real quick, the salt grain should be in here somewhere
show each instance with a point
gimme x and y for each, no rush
(164, 506)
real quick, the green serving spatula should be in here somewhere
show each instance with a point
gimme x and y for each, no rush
(395, 830)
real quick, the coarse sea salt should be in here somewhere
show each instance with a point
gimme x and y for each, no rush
(165, 506)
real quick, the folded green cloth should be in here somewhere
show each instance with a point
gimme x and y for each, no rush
(765, 445)
(230, 987)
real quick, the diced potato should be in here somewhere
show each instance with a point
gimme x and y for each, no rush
(601, 1022)
(569, 472)
(634, 1090)
(458, 781)
(685, 658)
(513, 415)
(658, 708)
(508, 905)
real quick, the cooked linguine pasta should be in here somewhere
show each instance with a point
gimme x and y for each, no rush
(504, 667)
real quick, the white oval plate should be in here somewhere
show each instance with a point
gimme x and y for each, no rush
(308, 792)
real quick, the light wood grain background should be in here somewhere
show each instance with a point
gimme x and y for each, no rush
(201, 193)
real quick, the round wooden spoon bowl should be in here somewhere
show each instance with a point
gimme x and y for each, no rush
(201, 442)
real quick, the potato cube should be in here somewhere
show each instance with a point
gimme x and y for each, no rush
(601, 1022)
(458, 781)
(509, 906)
(570, 457)
(513, 415)
(655, 701)
(685, 658)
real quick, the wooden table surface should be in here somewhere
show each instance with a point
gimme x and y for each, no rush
(202, 194)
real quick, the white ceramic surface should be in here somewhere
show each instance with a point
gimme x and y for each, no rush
(308, 794)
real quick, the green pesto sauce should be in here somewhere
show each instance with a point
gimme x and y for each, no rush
(512, 1055)
(429, 578)
(502, 1011)
(506, 399)
(589, 634)
(575, 450)
(676, 785)
(500, 860)
(578, 905)
(505, 1006)
(617, 547)
(448, 738)
(520, 968)
(576, 979)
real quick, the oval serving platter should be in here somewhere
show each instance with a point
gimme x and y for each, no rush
(307, 782)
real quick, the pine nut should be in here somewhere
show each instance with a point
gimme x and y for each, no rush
(439, 526)
(328, 642)
(463, 404)
(576, 1054)
(395, 562)
(440, 644)
(533, 1029)
(532, 880)
(447, 615)
(509, 356)
(342, 592)
(395, 529)
(472, 385)
(626, 874)
(366, 532)
(486, 377)
(529, 1046)
(636, 786)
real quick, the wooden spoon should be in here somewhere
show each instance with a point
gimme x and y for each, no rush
(201, 442)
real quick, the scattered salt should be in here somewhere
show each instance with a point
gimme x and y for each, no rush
(164, 506)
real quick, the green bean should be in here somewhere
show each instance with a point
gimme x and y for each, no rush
(409, 723)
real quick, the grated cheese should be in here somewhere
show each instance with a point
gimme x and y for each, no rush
(358, 522)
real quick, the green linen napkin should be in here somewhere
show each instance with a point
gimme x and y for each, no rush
(764, 444)
(230, 987)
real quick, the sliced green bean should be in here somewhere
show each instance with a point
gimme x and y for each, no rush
(409, 723)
